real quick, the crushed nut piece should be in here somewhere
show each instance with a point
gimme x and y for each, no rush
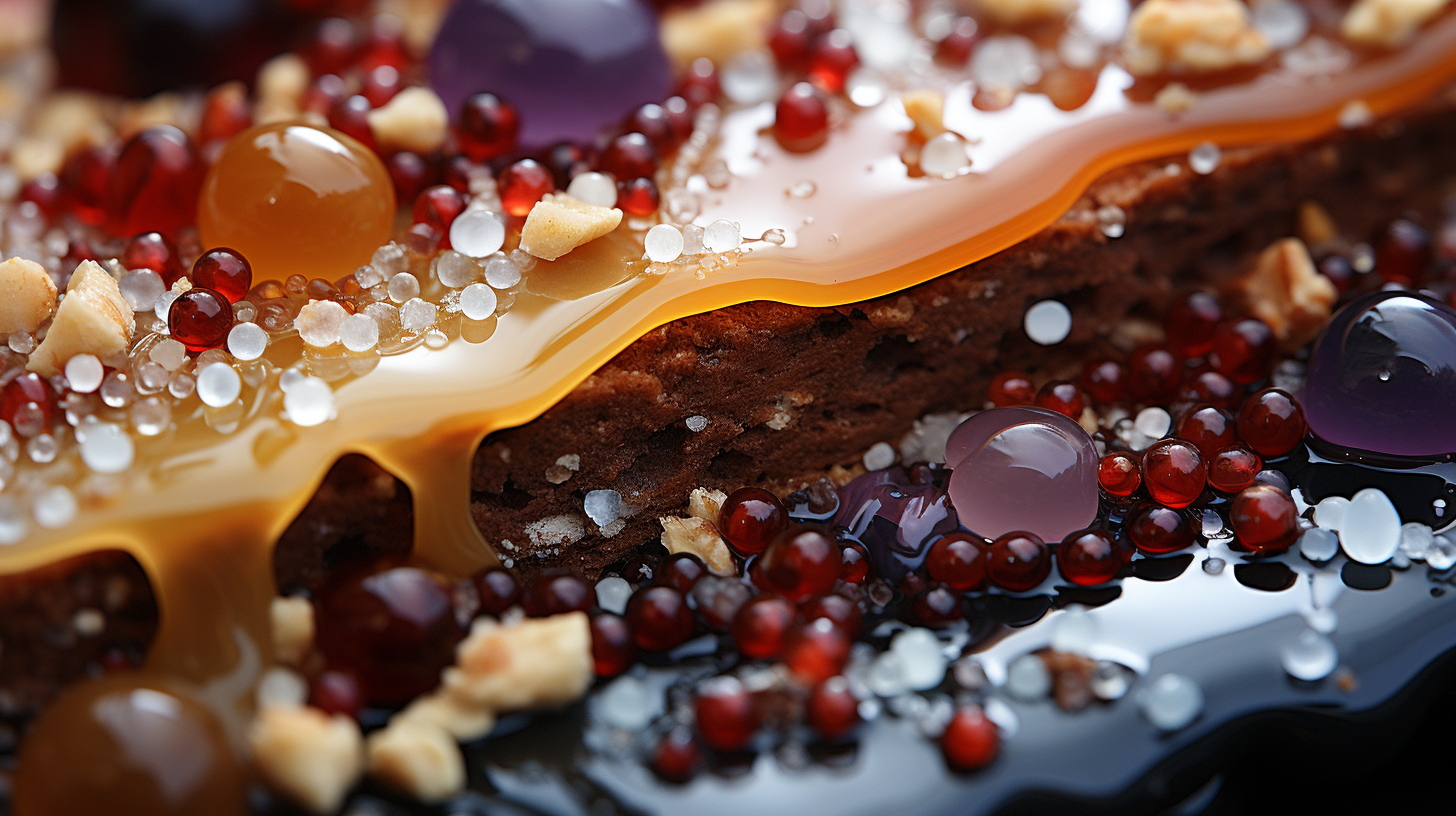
(33, 156)
(306, 756)
(462, 721)
(557, 224)
(926, 108)
(93, 319)
(415, 120)
(1015, 12)
(526, 664)
(705, 504)
(717, 29)
(74, 119)
(418, 758)
(27, 296)
(1192, 36)
(1175, 97)
(1387, 23)
(1284, 290)
(281, 84)
(699, 537)
(1316, 226)
(292, 629)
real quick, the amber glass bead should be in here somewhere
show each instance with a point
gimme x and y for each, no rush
(1090, 557)
(1190, 322)
(1063, 397)
(750, 518)
(87, 178)
(958, 560)
(1206, 428)
(1175, 472)
(1264, 519)
(629, 156)
(801, 563)
(1153, 373)
(1010, 388)
(295, 199)
(660, 618)
(834, 57)
(832, 709)
(1243, 350)
(761, 626)
(817, 650)
(154, 183)
(638, 197)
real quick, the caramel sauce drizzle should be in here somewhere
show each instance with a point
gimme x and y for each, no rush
(203, 510)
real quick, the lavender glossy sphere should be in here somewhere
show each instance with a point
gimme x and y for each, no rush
(1382, 377)
(569, 66)
(1022, 469)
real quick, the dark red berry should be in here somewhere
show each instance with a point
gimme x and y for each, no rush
(438, 206)
(1190, 322)
(1011, 388)
(699, 83)
(956, 47)
(1206, 428)
(1175, 473)
(1233, 468)
(832, 709)
(46, 193)
(801, 563)
(1339, 271)
(154, 251)
(854, 562)
(155, 184)
(334, 46)
(28, 404)
(791, 42)
(638, 197)
(381, 84)
(1264, 519)
(1209, 387)
(801, 119)
(613, 647)
(410, 172)
(1155, 529)
(833, 59)
(1119, 474)
(761, 627)
(1019, 561)
(660, 618)
(1403, 253)
(556, 593)
(351, 117)
(1104, 381)
(227, 112)
(200, 319)
(488, 126)
(1243, 350)
(958, 560)
(816, 650)
(750, 519)
(497, 589)
(336, 692)
(726, 716)
(936, 607)
(87, 177)
(843, 612)
(323, 94)
(224, 271)
(1089, 558)
(1271, 422)
(1063, 397)
(681, 571)
(677, 756)
(522, 184)
(629, 156)
(651, 121)
(1153, 374)
(970, 740)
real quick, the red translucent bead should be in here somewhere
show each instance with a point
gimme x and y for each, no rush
(46, 193)
(790, 41)
(385, 44)
(226, 113)
(854, 562)
(970, 741)
(351, 117)
(677, 755)
(613, 647)
(438, 206)
(336, 692)
(699, 84)
(834, 57)
(497, 589)
(1403, 253)
(522, 184)
(1264, 519)
(936, 607)
(566, 160)
(87, 177)
(224, 271)
(628, 157)
(1175, 473)
(457, 173)
(957, 46)
(958, 560)
(1271, 422)
(1063, 397)
(323, 94)
(832, 708)
(333, 47)
(1243, 350)
(750, 519)
(681, 571)
(660, 618)
(155, 183)
(29, 404)
(761, 627)
(410, 173)
(801, 119)
(1153, 374)
(1119, 474)
(726, 715)
(843, 612)
(817, 651)
(488, 127)
(1019, 562)
(1207, 428)
(801, 563)
(200, 319)
(1010, 388)
(1339, 271)
(1209, 387)
(154, 251)
(556, 593)
(719, 600)
(1089, 558)
(1233, 468)
(651, 121)
(381, 84)
(821, 16)
(1104, 380)
(393, 627)
(1155, 529)
(1190, 322)
(638, 197)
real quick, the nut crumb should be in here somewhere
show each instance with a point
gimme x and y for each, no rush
(418, 758)
(926, 108)
(717, 29)
(566, 465)
(1175, 97)
(557, 224)
(27, 296)
(461, 721)
(280, 86)
(530, 663)
(705, 504)
(1192, 36)
(1017, 12)
(306, 756)
(293, 629)
(1387, 23)
(1316, 226)
(92, 319)
(415, 120)
(1284, 290)
(698, 536)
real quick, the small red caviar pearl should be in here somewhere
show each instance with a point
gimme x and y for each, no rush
(957, 46)
(1271, 422)
(679, 119)
(681, 571)
(488, 127)
(651, 121)
(801, 563)
(1206, 428)
(351, 117)
(677, 756)
(1190, 322)
(28, 404)
(45, 192)
(566, 161)
(224, 271)
(1264, 519)
(1339, 271)
(726, 716)
(333, 47)
(936, 607)
(497, 589)
(613, 648)
(555, 593)
(458, 171)
(842, 611)
(817, 650)
(1156, 529)
(154, 251)
(970, 740)
(336, 692)
(1153, 373)
(833, 58)
(638, 197)
(200, 319)
(699, 83)
(155, 183)
(1119, 474)
(410, 172)
(1175, 473)
(660, 618)
(1403, 253)
(761, 627)
(958, 560)
(1019, 561)
(832, 709)
(1010, 388)
(1063, 397)
(801, 119)
(791, 41)
(1243, 350)
(324, 93)
(1233, 468)
(1104, 380)
(854, 562)
(438, 206)
(750, 519)
(87, 178)
(385, 45)
(1210, 387)
(226, 113)
(381, 84)
(522, 184)
(628, 157)
(1089, 558)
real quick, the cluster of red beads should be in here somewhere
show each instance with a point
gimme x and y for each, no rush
(805, 42)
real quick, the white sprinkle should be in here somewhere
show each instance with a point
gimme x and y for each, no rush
(360, 332)
(455, 270)
(921, 658)
(477, 233)
(944, 155)
(1330, 512)
(368, 277)
(1415, 540)
(218, 385)
(1282, 22)
(84, 373)
(602, 506)
(1027, 678)
(402, 287)
(1109, 681)
(318, 322)
(309, 402)
(1370, 530)
(663, 244)
(612, 594)
(627, 703)
(1153, 422)
(865, 87)
(693, 240)
(168, 353)
(750, 77)
(1171, 702)
(697, 423)
(1356, 114)
(501, 272)
(141, 288)
(107, 449)
(598, 189)
(417, 315)
(1214, 566)
(1048, 322)
(1204, 158)
(390, 260)
(1006, 62)
(477, 301)
(1112, 219)
(721, 236)
(151, 416)
(1319, 544)
(88, 622)
(247, 341)
(880, 456)
(54, 507)
(1312, 656)
(1442, 554)
(164, 304)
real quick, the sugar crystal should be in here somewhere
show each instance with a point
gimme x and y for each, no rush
(1027, 678)
(107, 449)
(602, 506)
(1153, 422)
(477, 233)
(663, 243)
(402, 287)
(84, 373)
(921, 658)
(318, 322)
(944, 155)
(360, 332)
(141, 288)
(1312, 656)
(1415, 540)
(721, 236)
(247, 341)
(417, 315)
(612, 594)
(308, 402)
(1171, 702)
(1370, 529)
(501, 273)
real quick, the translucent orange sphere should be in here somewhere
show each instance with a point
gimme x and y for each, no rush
(296, 199)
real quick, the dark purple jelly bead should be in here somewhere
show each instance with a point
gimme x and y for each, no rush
(1382, 377)
(570, 67)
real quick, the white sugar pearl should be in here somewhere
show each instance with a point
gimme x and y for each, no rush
(1048, 322)
(318, 322)
(84, 373)
(169, 354)
(1204, 158)
(477, 233)
(247, 341)
(501, 273)
(360, 332)
(141, 288)
(309, 402)
(944, 155)
(478, 301)
(721, 236)
(54, 507)
(403, 287)
(218, 385)
(594, 188)
(455, 270)
(107, 449)
(664, 243)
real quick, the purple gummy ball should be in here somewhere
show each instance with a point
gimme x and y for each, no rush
(1382, 377)
(571, 67)
(1022, 469)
